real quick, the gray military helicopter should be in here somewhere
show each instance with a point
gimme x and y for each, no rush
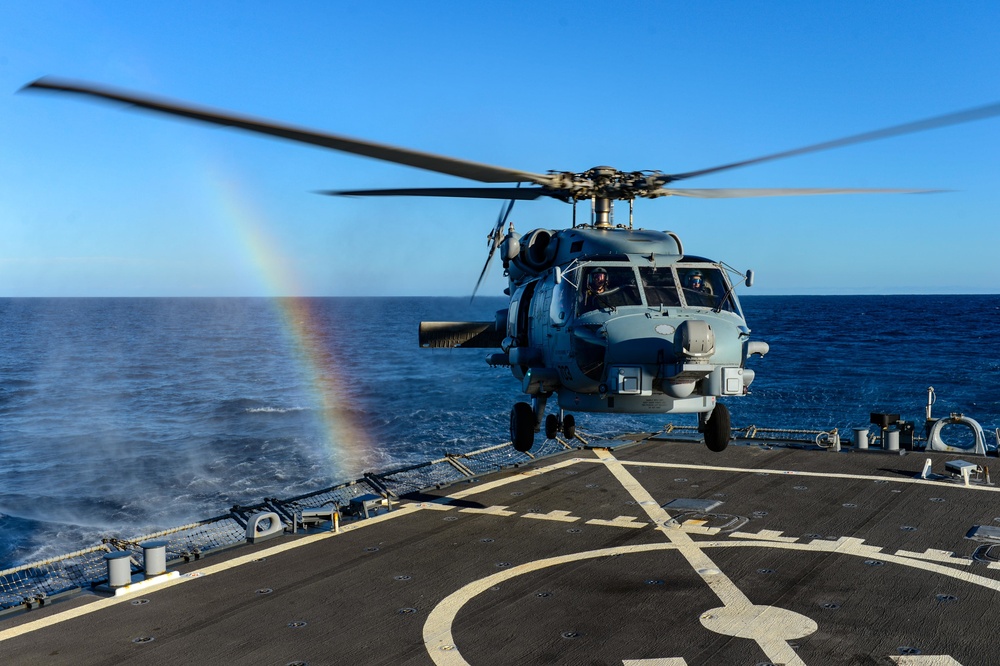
(607, 317)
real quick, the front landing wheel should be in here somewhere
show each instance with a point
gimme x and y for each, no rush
(522, 426)
(717, 429)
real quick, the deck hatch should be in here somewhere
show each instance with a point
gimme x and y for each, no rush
(986, 533)
(690, 504)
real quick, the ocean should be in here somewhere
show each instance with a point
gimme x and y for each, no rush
(119, 416)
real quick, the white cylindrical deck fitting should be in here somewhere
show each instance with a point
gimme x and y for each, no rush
(892, 440)
(861, 438)
(119, 568)
(154, 558)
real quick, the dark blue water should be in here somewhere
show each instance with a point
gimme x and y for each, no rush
(123, 416)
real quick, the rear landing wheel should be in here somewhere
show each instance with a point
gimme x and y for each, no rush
(551, 426)
(522, 426)
(717, 429)
(569, 427)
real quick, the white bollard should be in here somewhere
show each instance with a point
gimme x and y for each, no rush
(154, 558)
(119, 568)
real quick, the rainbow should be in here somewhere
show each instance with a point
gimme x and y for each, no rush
(345, 441)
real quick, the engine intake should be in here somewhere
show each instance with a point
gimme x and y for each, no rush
(538, 249)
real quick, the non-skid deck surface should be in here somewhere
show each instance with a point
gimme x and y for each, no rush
(659, 554)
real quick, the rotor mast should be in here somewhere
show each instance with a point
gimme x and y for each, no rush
(603, 210)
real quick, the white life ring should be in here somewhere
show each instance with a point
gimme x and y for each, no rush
(935, 443)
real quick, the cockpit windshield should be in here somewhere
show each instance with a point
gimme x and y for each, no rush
(606, 287)
(704, 286)
(659, 286)
(679, 285)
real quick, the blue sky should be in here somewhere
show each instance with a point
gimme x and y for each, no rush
(100, 201)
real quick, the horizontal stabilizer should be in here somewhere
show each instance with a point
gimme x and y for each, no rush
(482, 334)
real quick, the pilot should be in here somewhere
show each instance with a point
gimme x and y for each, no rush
(697, 289)
(695, 282)
(598, 281)
(598, 290)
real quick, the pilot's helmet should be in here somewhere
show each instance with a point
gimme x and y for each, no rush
(695, 281)
(598, 278)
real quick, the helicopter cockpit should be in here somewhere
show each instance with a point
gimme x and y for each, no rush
(609, 287)
(706, 286)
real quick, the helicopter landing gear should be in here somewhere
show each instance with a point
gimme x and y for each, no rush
(556, 424)
(569, 426)
(551, 426)
(717, 429)
(522, 426)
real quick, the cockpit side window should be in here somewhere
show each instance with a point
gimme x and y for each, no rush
(659, 286)
(606, 287)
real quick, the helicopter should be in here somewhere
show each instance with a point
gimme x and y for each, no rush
(605, 316)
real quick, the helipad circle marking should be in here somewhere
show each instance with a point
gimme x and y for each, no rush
(442, 648)
(758, 623)
(437, 629)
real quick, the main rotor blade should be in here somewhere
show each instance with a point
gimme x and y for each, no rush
(968, 115)
(441, 164)
(525, 194)
(736, 193)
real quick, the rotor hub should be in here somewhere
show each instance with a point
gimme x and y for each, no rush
(604, 182)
